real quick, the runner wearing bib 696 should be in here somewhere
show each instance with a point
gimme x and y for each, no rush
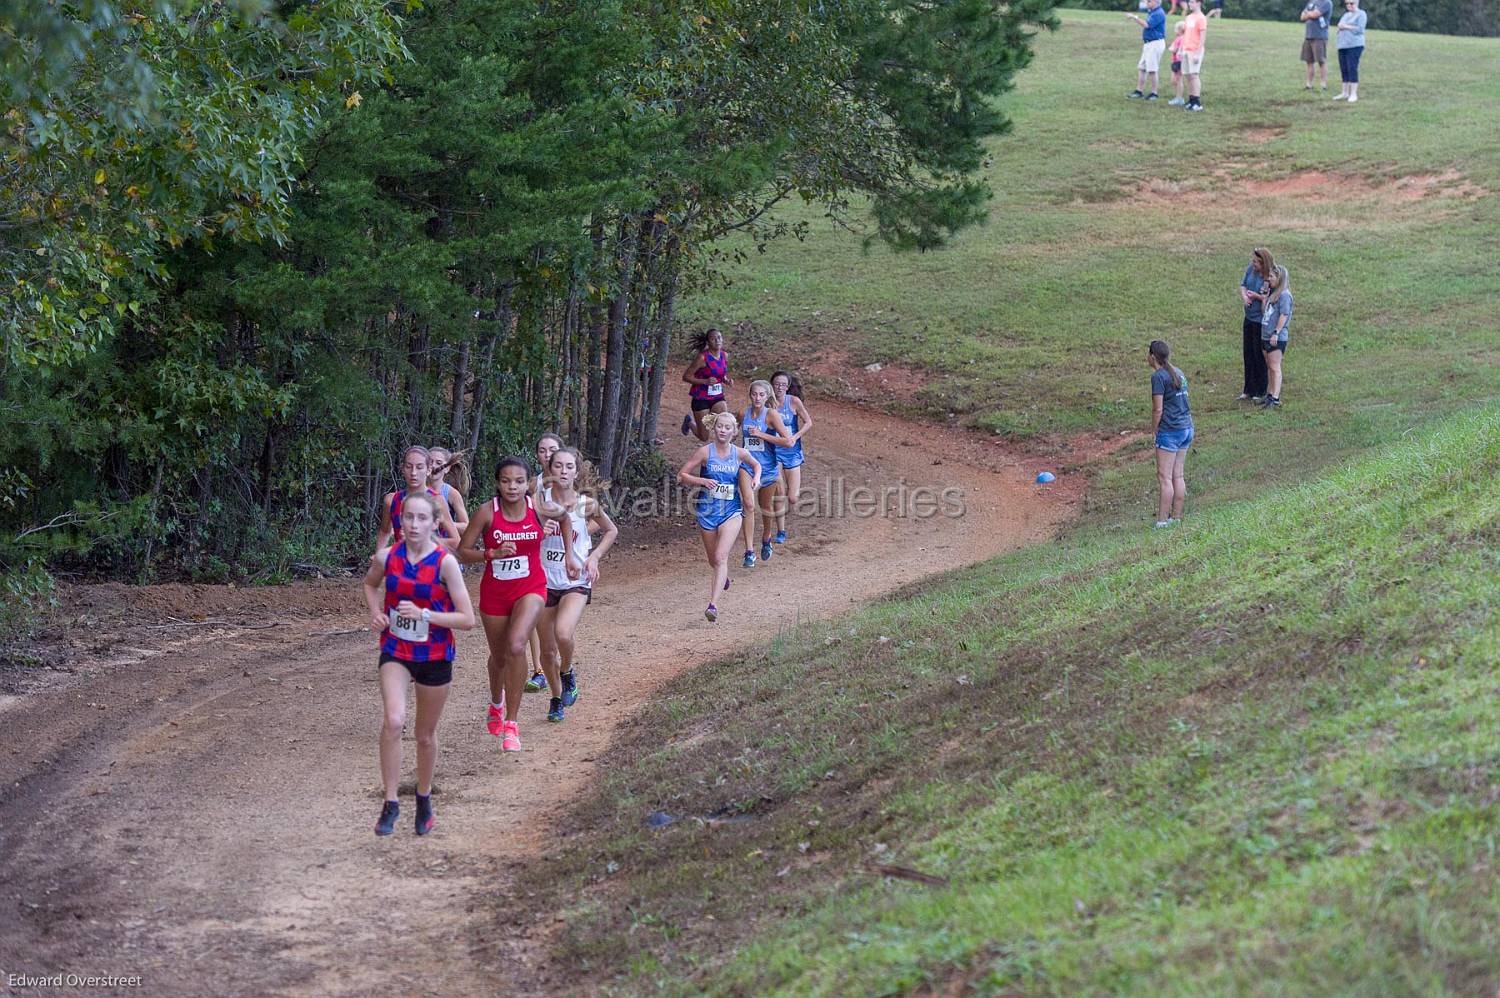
(763, 435)
(715, 468)
(546, 445)
(798, 421)
(513, 587)
(416, 596)
(571, 485)
(446, 465)
(416, 463)
(708, 374)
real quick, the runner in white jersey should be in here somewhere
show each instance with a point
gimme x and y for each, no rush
(546, 445)
(571, 486)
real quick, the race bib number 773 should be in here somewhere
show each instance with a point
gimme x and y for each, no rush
(509, 569)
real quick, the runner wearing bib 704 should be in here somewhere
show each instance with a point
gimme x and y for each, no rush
(715, 468)
(513, 587)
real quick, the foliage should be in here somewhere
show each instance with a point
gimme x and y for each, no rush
(136, 125)
(490, 243)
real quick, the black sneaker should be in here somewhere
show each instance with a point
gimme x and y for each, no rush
(389, 812)
(687, 424)
(1271, 402)
(555, 710)
(1134, 95)
(1152, 96)
(1195, 107)
(424, 814)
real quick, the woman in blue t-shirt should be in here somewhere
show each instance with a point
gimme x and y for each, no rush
(1172, 428)
(1275, 327)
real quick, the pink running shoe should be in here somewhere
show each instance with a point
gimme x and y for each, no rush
(495, 722)
(511, 742)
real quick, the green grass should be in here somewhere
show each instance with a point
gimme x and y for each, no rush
(1036, 323)
(1253, 754)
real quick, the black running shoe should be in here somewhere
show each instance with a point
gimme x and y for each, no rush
(389, 812)
(1134, 95)
(424, 814)
(687, 424)
(555, 710)
(570, 688)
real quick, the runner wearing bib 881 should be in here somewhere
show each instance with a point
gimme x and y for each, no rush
(763, 435)
(571, 487)
(416, 596)
(513, 587)
(715, 468)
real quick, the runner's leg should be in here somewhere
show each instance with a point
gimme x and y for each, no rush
(545, 627)
(791, 480)
(568, 614)
(430, 702)
(393, 680)
(494, 636)
(519, 626)
(748, 491)
(723, 543)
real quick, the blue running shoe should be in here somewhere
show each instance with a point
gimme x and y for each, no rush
(781, 537)
(424, 814)
(765, 550)
(389, 812)
(536, 683)
(749, 559)
(570, 688)
(555, 712)
(687, 424)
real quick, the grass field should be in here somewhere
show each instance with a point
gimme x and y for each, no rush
(1253, 754)
(1115, 222)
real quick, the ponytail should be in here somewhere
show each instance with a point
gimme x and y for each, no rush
(1162, 353)
(456, 466)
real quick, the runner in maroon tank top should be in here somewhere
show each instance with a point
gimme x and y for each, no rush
(506, 535)
(708, 374)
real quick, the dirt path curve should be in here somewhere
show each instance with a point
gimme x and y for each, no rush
(198, 812)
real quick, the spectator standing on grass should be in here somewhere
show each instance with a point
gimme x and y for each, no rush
(1153, 42)
(1252, 287)
(1175, 51)
(1217, 8)
(1171, 431)
(1351, 45)
(1195, 27)
(1316, 16)
(1275, 326)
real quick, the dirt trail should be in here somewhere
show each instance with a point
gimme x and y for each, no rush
(197, 811)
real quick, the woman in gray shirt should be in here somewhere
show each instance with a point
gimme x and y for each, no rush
(1275, 326)
(1351, 44)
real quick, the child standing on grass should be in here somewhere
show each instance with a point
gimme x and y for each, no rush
(1275, 326)
(1176, 51)
(1172, 430)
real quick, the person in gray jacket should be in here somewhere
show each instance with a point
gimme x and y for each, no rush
(1315, 39)
(1351, 45)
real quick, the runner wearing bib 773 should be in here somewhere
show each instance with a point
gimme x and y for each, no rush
(715, 468)
(513, 587)
(416, 596)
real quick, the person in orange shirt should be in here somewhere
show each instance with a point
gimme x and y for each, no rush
(1195, 26)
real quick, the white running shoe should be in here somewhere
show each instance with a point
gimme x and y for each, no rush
(1342, 97)
(1353, 98)
(1176, 102)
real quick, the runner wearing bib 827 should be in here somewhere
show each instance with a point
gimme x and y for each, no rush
(416, 596)
(763, 435)
(512, 589)
(572, 487)
(715, 468)
(546, 445)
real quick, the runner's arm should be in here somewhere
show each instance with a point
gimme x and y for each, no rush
(384, 535)
(804, 419)
(461, 618)
(783, 436)
(458, 508)
(374, 582)
(611, 533)
(468, 552)
(748, 458)
(450, 535)
(691, 374)
(684, 477)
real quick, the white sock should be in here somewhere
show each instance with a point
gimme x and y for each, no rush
(498, 706)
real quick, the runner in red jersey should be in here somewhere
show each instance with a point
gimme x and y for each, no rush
(416, 596)
(708, 374)
(416, 464)
(513, 588)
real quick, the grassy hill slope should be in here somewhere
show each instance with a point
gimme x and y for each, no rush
(1115, 222)
(1255, 753)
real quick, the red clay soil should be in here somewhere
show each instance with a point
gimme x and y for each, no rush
(189, 795)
